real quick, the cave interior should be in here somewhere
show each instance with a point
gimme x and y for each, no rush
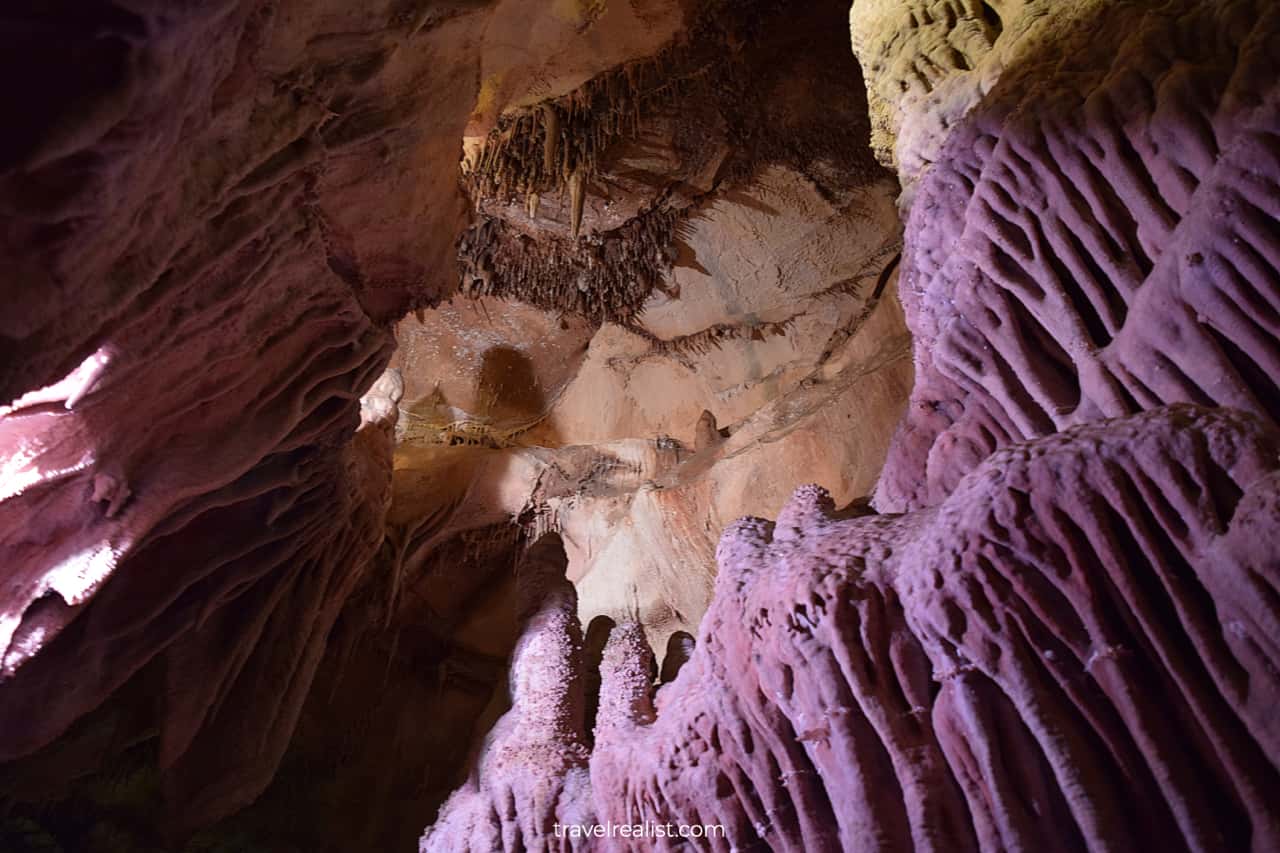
(573, 425)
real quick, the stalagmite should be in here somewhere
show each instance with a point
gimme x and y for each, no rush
(706, 433)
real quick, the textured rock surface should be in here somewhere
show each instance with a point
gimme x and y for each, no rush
(1075, 650)
(1096, 237)
(171, 228)
(210, 214)
(778, 318)
(641, 516)
(776, 277)
(1068, 641)
(534, 763)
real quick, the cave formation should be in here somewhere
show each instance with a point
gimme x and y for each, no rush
(850, 426)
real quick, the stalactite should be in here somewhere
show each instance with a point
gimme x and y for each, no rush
(577, 193)
(539, 149)
(551, 137)
(606, 277)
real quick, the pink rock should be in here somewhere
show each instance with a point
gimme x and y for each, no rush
(1075, 650)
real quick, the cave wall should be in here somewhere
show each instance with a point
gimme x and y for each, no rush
(1074, 651)
(767, 349)
(210, 216)
(1095, 235)
(1061, 634)
(173, 286)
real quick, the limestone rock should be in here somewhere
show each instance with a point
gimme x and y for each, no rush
(1088, 238)
(1024, 665)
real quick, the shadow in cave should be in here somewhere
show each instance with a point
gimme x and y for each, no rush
(593, 652)
(440, 650)
(509, 395)
(506, 401)
(680, 647)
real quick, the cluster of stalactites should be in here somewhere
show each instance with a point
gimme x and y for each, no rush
(604, 277)
(548, 147)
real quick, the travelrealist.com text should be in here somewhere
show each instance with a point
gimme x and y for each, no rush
(638, 830)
